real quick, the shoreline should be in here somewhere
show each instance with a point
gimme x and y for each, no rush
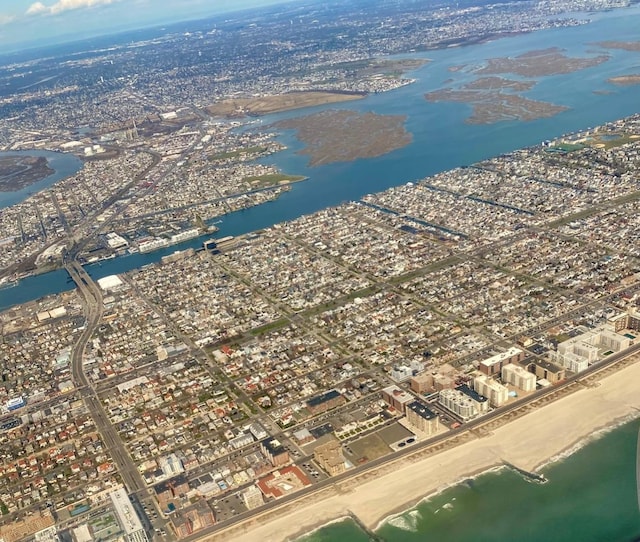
(533, 441)
(595, 435)
(320, 526)
(417, 502)
(558, 458)
(60, 163)
(279, 103)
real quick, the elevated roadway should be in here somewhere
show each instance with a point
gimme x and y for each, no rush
(92, 298)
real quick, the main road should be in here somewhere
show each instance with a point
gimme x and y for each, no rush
(92, 298)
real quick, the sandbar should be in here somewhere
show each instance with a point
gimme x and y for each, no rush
(265, 105)
(624, 45)
(342, 136)
(540, 63)
(386, 66)
(18, 172)
(625, 80)
(527, 442)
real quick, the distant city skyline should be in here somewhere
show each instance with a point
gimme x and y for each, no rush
(29, 23)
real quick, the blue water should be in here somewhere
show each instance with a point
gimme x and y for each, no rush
(589, 497)
(63, 164)
(441, 138)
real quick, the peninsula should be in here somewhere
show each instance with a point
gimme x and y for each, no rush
(264, 105)
(297, 374)
(20, 171)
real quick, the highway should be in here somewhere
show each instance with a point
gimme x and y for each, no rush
(92, 298)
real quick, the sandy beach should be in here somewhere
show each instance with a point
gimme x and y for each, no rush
(527, 442)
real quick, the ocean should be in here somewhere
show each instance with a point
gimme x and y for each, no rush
(590, 496)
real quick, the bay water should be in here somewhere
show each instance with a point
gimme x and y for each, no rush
(441, 138)
(63, 165)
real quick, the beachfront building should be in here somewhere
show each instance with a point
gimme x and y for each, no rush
(482, 402)
(572, 362)
(397, 398)
(193, 519)
(422, 418)
(519, 377)
(486, 386)
(577, 353)
(583, 346)
(547, 372)
(328, 454)
(463, 402)
(252, 497)
(283, 482)
(609, 340)
(127, 517)
(493, 365)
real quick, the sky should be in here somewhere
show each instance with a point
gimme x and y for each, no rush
(32, 23)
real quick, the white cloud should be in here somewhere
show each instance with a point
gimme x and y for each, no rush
(38, 8)
(6, 19)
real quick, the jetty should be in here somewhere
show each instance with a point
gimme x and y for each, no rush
(373, 537)
(534, 476)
